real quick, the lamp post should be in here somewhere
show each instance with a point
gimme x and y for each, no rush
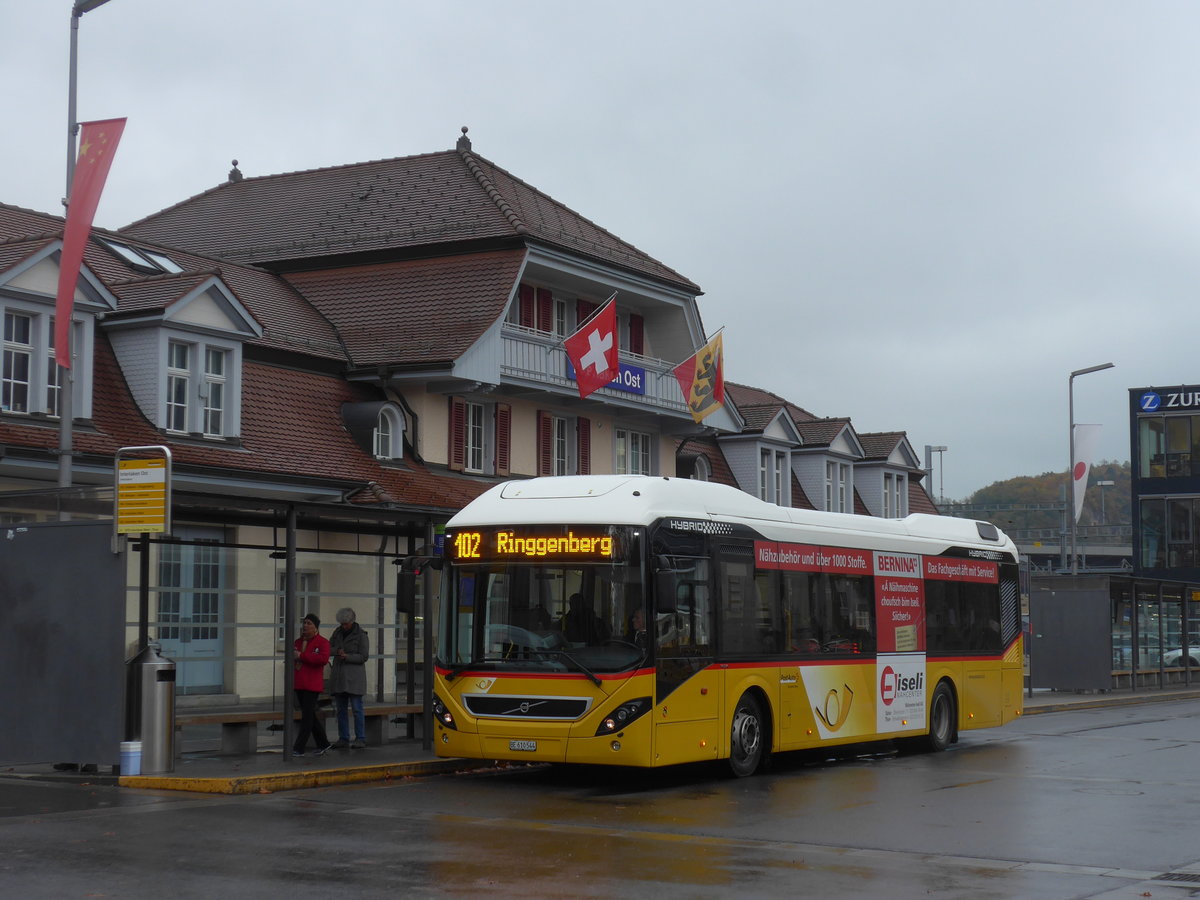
(66, 402)
(1102, 485)
(929, 451)
(1071, 465)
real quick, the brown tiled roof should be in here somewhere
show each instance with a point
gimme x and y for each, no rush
(880, 444)
(291, 426)
(760, 406)
(919, 500)
(290, 322)
(417, 312)
(799, 497)
(398, 204)
(707, 447)
(821, 432)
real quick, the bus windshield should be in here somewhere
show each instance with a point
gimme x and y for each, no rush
(542, 611)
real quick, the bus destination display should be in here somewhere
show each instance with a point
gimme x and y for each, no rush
(504, 544)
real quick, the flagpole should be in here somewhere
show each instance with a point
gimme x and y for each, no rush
(66, 408)
(595, 312)
(1071, 467)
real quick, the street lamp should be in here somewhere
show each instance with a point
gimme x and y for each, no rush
(929, 451)
(1071, 467)
(66, 402)
(1102, 485)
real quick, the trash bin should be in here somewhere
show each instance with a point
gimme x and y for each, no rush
(150, 709)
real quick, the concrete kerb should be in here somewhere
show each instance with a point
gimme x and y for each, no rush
(268, 783)
(1102, 700)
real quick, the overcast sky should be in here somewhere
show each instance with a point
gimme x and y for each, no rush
(920, 215)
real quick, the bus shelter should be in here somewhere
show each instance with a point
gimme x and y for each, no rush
(1106, 632)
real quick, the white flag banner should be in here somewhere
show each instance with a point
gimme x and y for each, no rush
(1086, 438)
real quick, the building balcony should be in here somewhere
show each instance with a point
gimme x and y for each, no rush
(531, 357)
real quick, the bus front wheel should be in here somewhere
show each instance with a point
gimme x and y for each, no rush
(748, 737)
(942, 715)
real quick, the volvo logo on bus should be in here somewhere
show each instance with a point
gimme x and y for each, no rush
(892, 685)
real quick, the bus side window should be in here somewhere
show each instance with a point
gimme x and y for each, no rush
(803, 627)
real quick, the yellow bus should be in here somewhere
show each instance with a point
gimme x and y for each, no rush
(648, 621)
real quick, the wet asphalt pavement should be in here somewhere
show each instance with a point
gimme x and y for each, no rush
(1082, 803)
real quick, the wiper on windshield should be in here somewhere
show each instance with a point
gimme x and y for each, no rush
(458, 669)
(582, 668)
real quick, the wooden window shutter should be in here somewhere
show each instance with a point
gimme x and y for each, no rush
(545, 310)
(503, 438)
(458, 434)
(545, 443)
(637, 334)
(583, 309)
(525, 306)
(583, 435)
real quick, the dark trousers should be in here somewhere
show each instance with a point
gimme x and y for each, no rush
(309, 723)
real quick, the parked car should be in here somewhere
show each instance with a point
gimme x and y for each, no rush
(1176, 657)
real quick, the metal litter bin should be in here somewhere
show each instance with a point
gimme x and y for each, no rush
(150, 709)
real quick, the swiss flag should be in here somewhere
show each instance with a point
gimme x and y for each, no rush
(592, 350)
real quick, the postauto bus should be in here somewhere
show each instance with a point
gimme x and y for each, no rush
(648, 621)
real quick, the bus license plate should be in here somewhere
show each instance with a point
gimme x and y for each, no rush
(522, 745)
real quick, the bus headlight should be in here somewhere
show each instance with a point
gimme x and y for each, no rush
(627, 712)
(441, 714)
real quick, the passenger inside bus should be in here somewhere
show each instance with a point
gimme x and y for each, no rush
(580, 625)
(635, 632)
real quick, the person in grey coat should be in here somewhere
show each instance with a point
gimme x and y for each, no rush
(350, 646)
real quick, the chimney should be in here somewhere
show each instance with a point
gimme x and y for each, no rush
(464, 142)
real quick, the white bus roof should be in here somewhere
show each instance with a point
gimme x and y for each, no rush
(643, 499)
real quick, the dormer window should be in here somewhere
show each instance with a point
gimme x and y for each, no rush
(201, 377)
(838, 488)
(895, 495)
(388, 435)
(29, 374)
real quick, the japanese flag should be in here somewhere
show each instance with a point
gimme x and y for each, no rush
(1086, 437)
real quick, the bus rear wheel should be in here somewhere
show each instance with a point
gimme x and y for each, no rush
(748, 737)
(942, 716)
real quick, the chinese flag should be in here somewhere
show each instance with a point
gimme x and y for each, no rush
(97, 144)
(701, 377)
(592, 350)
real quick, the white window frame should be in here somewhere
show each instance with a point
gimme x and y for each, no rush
(214, 391)
(474, 437)
(179, 386)
(838, 489)
(387, 440)
(197, 397)
(18, 353)
(702, 470)
(560, 446)
(634, 452)
(44, 395)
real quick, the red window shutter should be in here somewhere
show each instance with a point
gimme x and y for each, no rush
(545, 443)
(503, 438)
(545, 310)
(637, 334)
(525, 307)
(457, 455)
(583, 309)
(583, 435)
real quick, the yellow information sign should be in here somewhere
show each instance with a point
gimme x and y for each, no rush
(142, 496)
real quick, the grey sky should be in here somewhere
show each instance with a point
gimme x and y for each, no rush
(921, 215)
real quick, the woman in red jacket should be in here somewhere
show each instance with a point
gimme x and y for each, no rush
(311, 654)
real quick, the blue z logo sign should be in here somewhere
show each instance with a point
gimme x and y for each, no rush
(1150, 402)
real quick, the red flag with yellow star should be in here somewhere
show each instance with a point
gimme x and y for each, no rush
(97, 144)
